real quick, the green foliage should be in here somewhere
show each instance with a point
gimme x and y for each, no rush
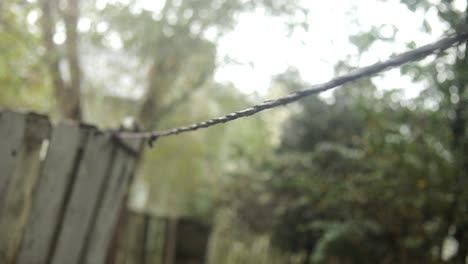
(167, 49)
(231, 243)
(364, 40)
(185, 171)
(380, 192)
(174, 45)
(367, 176)
(361, 177)
(21, 70)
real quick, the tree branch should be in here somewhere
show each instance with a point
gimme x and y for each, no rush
(168, 108)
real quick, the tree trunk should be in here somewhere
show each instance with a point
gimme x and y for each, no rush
(162, 76)
(70, 103)
(52, 54)
(67, 92)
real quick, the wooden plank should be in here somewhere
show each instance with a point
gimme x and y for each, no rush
(170, 241)
(84, 199)
(130, 247)
(117, 185)
(50, 194)
(17, 196)
(12, 130)
(155, 242)
(192, 241)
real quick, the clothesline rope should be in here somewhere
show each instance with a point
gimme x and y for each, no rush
(398, 60)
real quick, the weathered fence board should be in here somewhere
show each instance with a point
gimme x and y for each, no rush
(84, 199)
(62, 189)
(192, 241)
(108, 213)
(12, 129)
(148, 239)
(130, 244)
(16, 197)
(50, 195)
(59, 204)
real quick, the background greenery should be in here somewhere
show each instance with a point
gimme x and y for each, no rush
(364, 175)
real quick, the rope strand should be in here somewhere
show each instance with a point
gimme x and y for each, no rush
(367, 71)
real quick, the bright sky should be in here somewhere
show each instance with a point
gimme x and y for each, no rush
(262, 45)
(263, 42)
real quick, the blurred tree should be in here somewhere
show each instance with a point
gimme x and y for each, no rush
(88, 54)
(102, 61)
(21, 73)
(176, 44)
(33, 53)
(367, 176)
(449, 82)
(64, 65)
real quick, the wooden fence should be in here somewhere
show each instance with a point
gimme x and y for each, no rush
(61, 190)
(146, 239)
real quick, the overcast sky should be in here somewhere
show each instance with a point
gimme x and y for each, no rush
(263, 42)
